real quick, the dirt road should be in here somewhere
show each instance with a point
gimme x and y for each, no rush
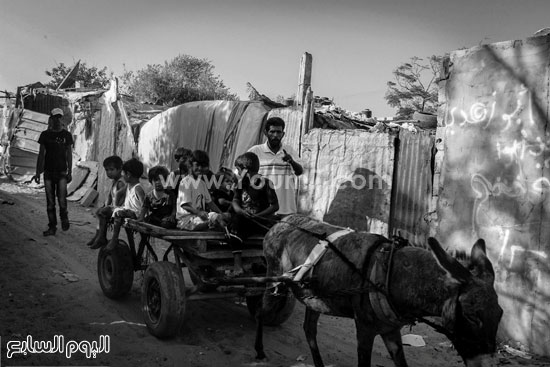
(49, 288)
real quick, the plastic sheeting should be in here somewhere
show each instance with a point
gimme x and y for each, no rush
(224, 129)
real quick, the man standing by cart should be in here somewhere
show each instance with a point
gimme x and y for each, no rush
(55, 159)
(279, 163)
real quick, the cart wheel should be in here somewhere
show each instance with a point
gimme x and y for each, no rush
(163, 299)
(278, 313)
(115, 270)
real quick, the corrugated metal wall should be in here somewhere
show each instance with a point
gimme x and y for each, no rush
(24, 145)
(412, 186)
(347, 178)
(42, 103)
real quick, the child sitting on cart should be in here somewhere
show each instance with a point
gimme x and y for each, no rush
(181, 156)
(133, 203)
(115, 198)
(159, 207)
(254, 204)
(195, 210)
(222, 193)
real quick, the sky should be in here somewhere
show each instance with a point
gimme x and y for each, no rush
(355, 44)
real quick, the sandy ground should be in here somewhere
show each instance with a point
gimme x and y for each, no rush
(49, 287)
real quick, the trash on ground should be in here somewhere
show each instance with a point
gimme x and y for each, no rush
(517, 352)
(413, 340)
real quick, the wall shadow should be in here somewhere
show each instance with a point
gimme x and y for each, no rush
(360, 207)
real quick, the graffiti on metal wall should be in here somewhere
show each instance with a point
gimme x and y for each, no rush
(484, 114)
(520, 259)
(522, 150)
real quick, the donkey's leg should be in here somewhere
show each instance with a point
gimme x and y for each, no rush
(259, 343)
(365, 341)
(310, 328)
(393, 343)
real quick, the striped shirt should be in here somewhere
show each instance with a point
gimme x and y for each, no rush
(280, 173)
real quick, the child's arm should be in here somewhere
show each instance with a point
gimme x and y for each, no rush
(190, 209)
(120, 194)
(39, 163)
(144, 209)
(69, 158)
(173, 201)
(236, 204)
(271, 199)
(109, 199)
(213, 207)
(140, 194)
(208, 202)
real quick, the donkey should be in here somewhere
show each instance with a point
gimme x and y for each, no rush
(419, 285)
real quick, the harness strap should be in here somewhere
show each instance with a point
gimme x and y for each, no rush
(379, 275)
(316, 254)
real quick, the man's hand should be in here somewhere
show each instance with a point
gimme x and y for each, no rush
(287, 157)
(203, 214)
(69, 177)
(36, 178)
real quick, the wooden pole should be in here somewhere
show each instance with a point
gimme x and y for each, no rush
(304, 80)
(307, 112)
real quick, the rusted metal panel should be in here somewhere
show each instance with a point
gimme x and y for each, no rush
(347, 178)
(412, 187)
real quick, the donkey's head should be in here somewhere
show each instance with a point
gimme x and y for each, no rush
(471, 316)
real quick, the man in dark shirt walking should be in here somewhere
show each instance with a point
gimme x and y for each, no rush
(55, 159)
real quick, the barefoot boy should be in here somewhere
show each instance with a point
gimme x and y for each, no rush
(117, 193)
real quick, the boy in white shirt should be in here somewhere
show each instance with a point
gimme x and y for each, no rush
(195, 209)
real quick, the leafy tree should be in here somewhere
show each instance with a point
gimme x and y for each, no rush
(415, 86)
(182, 79)
(92, 77)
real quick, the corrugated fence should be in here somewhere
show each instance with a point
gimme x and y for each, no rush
(412, 186)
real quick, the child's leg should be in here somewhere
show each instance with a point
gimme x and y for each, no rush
(238, 229)
(192, 222)
(119, 217)
(116, 231)
(103, 215)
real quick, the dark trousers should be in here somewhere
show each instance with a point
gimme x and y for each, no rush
(55, 184)
(244, 227)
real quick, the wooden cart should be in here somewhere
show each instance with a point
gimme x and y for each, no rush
(193, 267)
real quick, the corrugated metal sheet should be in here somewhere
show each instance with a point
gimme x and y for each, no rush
(42, 103)
(412, 186)
(347, 178)
(27, 131)
(24, 147)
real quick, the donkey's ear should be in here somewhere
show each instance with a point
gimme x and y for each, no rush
(449, 263)
(480, 264)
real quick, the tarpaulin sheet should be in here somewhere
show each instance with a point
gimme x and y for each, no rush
(224, 129)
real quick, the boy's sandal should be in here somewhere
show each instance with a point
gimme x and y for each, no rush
(97, 244)
(49, 232)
